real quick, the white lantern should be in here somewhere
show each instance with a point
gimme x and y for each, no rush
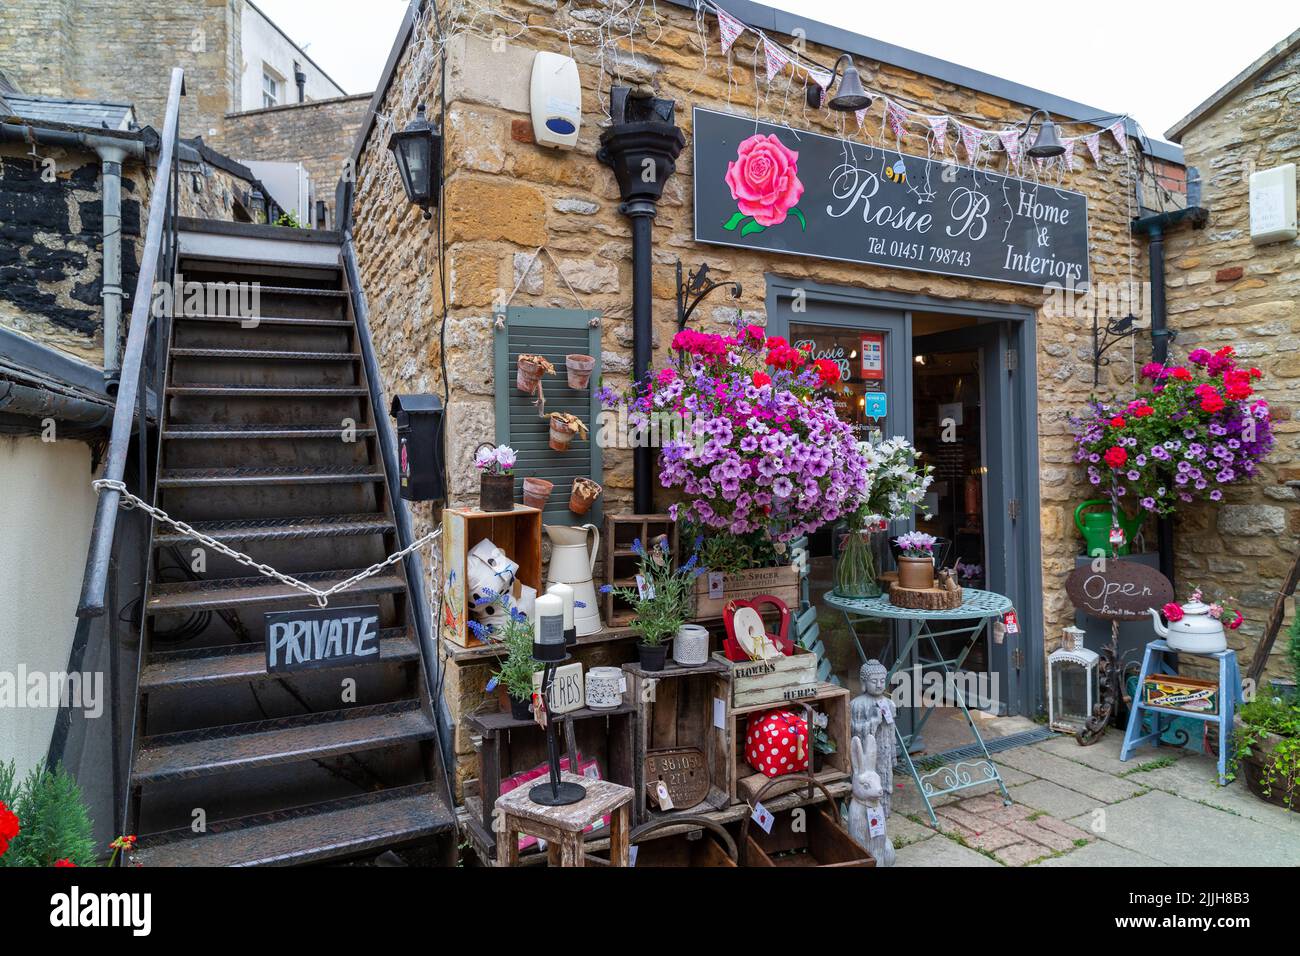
(1072, 683)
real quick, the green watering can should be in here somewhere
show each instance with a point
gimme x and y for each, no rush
(1095, 526)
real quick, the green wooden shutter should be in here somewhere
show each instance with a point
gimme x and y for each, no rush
(553, 333)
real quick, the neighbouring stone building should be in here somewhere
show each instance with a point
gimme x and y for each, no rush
(250, 91)
(505, 196)
(1226, 290)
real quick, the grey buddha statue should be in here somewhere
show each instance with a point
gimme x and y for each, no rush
(871, 714)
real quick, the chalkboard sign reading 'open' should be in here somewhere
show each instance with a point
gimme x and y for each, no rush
(320, 637)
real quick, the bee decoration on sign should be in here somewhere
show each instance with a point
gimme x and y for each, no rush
(896, 173)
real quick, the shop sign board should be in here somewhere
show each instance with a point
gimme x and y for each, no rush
(321, 637)
(841, 199)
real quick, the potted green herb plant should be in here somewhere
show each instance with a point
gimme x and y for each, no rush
(660, 600)
(1267, 750)
(515, 674)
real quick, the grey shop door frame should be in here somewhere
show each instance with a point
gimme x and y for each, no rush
(1014, 389)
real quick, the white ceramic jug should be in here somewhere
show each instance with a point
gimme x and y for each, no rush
(573, 556)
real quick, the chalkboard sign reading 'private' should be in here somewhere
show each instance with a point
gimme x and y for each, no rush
(302, 640)
(763, 186)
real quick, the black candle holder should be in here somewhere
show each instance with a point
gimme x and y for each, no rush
(555, 792)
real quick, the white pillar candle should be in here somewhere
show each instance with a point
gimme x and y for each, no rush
(565, 594)
(548, 625)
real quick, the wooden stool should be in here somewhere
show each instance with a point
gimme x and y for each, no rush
(562, 827)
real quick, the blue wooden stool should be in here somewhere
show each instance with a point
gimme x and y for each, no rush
(1153, 662)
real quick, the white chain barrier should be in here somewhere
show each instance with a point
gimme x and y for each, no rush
(128, 501)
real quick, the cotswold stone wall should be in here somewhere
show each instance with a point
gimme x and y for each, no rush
(51, 246)
(1225, 290)
(505, 196)
(319, 135)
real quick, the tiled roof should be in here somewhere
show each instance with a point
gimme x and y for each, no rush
(92, 114)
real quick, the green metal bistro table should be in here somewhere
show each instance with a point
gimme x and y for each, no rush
(979, 607)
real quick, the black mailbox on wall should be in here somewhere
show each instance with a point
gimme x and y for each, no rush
(419, 446)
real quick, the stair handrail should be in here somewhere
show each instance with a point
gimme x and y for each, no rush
(132, 392)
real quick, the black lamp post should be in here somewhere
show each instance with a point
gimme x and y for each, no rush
(418, 152)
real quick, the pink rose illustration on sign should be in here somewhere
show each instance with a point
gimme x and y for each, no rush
(764, 182)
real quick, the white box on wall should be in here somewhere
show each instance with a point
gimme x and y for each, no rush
(1272, 205)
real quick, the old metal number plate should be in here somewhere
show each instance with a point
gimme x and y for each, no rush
(683, 772)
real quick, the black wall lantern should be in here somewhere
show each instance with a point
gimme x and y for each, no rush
(850, 97)
(418, 151)
(1048, 143)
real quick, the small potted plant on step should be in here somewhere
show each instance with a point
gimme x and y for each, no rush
(916, 562)
(516, 672)
(1267, 750)
(660, 599)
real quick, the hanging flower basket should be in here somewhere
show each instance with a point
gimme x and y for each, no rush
(584, 495)
(579, 368)
(531, 368)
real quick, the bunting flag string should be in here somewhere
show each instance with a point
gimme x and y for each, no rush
(1093, 142)
(821, 77)
(1068, 158)
(896, 116)
(1118, 130)
(1010, 139)
(938, 128)
(776, 59)
(729, 28)
(971, 139)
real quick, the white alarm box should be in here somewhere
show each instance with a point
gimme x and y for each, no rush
(1272, 204)
(556, 100)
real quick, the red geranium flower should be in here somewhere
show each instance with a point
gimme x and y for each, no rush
(64, 862)
(1142, 411)
(1117, 422)
(1181, 374)
(1173, 611)
(775, 341)
(1235, 622)
(760, 379)
(1115, 456)
(827, 371)
(9, 827)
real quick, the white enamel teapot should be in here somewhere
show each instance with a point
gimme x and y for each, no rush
(1196, 632)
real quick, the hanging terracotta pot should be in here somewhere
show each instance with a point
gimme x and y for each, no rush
(564, 428)
(579, 368)
(531, 368)
(536, 492)
(584, 495)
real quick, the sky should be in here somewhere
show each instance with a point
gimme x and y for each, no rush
(1155, 61)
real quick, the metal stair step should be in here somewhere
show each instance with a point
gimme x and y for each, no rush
(246, 663)
(308, 834)
(192, 432)
(264, 743)
(267, 355)
(263, 320)
(249, 477)
(268, 391)
(264, 289)
(231, 593)
(282, 529)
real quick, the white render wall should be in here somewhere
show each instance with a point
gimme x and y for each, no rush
(263, 43)
(48, 507)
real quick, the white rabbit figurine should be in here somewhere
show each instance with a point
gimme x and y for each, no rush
(865, 805)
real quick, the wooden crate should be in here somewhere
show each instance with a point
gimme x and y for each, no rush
(509, 746)
(518, 533)
(675, 710)
(786, 677)
(620, 561)
(745, 781)
(780, 582)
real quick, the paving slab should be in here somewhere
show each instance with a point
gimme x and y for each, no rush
(904, 832)
(1178, 832)
(1074, 776)
(1099, 853)
(1104, 754)
(941, 852)
(1197, 778)
(1053, 798)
